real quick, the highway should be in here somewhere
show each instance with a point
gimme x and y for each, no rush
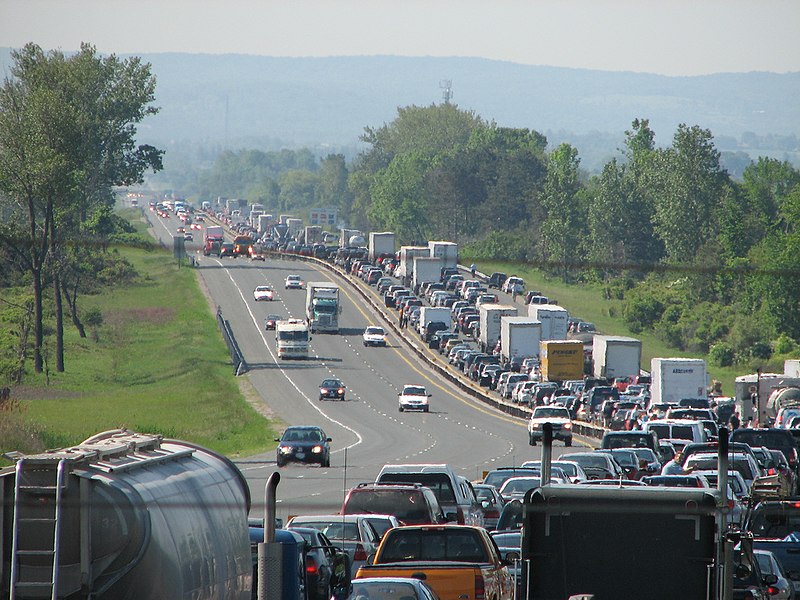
(367, 429)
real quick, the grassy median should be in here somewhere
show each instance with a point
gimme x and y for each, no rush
(156, 364)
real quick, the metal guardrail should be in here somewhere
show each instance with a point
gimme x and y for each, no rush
(237, 358)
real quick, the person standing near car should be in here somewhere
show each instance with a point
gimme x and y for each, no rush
(472, 269)
(734, 421)
(675, 466)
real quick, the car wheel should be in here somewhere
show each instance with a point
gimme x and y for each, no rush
(426, 409)
(400, 408)
(531, 440)
(568, 442)
(281, 463)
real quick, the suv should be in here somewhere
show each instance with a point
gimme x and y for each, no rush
(774, 439)
(411, 503)
(454, 492)
(496, 280)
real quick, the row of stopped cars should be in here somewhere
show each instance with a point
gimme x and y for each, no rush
(420, 522)
(598, 537)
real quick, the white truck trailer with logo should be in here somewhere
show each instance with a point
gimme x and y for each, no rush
(676, 379)
(292, 338)
(519, 337)
(616, 356)
(380, 244)
(554, 319)
(490, 316)
(322, 306)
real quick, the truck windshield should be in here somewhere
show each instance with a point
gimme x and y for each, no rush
(325, 307)
(293, 336)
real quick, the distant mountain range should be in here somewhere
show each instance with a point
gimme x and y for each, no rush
(258, 101)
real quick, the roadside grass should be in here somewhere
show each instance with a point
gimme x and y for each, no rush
(156, 364)
(588, 302)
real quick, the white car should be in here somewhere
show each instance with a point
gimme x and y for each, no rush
(557, 416)
(413, 397)
(514, 284)
(294, 282)
(263, 292)
(374, 336)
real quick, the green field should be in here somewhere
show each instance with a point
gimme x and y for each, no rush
(156, 364)
(588, 302)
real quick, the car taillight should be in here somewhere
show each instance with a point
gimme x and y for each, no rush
(360, 553)
(793, 458)
(492, 514)
(770, 471)
(311, 565)
(480, 587)
(773, 591)
(731, 504)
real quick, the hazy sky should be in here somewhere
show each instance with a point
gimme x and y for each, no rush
(671, 37)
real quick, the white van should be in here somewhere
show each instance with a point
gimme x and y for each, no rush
(678, 429)
(454, 492)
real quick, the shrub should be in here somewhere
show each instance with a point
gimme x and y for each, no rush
(721, 355)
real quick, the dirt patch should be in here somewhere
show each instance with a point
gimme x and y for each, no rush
(255, 400)
(27, 392)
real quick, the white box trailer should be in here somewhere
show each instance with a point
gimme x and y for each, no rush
(264, 223)
(407, 255)
(380, 243)
(313, 234)
(675, 379)
(490, 316)
(554, 319)
(616, 356)
(447, 251)
(431, 314)
(426, 269)
(791, 368)
(519, 337)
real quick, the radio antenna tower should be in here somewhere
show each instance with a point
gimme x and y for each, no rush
(447, 89)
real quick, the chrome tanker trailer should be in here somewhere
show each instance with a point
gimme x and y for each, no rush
(125, 515)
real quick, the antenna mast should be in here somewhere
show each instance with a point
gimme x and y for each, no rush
(447, 89)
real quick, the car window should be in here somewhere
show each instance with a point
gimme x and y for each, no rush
(439, 483)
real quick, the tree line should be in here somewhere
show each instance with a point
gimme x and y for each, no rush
(709, 262)
(67, 138)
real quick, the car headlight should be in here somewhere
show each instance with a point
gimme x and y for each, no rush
(340, 390)
(567, 425)
(285, 449)
(323, 390)
(536, 425)
(316, 449)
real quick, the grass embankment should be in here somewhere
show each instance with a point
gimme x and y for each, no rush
(157, 364)
(588, 302)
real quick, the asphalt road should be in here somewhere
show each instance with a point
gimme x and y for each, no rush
(367, 429)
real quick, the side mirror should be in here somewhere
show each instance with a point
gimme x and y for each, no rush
(328, 439)
(277, 439)
(770, 579)
(485, 504)
(511, 557)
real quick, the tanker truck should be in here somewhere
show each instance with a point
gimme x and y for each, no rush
(125, 515)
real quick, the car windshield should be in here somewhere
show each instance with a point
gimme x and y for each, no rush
(569, 468)
(407, 505)
(382, 590)
(463, 545)
(438, 482)
(498, 478)
(302, 435)
(520, 485)
(333, 530)
(595, 461)
(561, 413)
(627, 440)
(708, 462)
(412, 390)
(374, 331)
(331, 383)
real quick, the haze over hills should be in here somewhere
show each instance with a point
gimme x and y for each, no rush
(265, 102)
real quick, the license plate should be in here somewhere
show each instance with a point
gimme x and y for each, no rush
(301, 455)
